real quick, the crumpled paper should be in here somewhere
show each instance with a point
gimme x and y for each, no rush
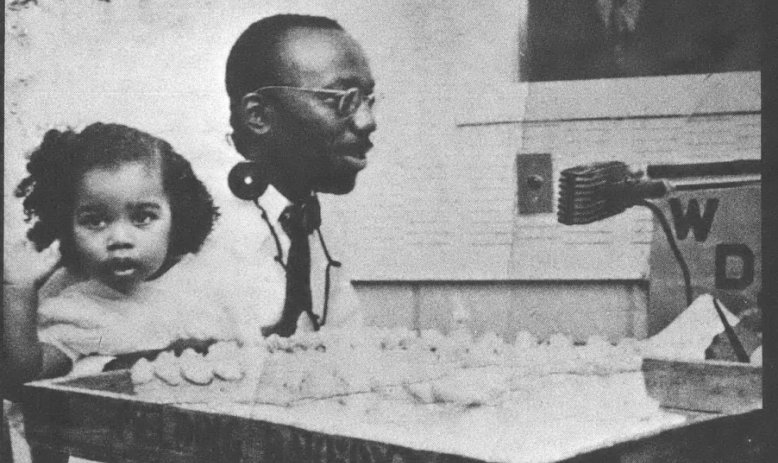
(687, 337)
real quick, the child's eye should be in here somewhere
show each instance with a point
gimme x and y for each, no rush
(92, 221)
(144, 218)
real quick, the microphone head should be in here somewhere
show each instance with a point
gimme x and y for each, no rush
(586, 192)
(246, 181)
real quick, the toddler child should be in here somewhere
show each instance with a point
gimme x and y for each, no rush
(126, 212)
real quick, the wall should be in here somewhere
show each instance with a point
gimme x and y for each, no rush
(462, 224)
(433, 224)
(579, 309)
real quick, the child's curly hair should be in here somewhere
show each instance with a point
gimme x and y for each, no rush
(63, 157)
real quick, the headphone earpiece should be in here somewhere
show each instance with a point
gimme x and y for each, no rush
(246, 181)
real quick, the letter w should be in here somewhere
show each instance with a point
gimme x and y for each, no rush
(692, 219)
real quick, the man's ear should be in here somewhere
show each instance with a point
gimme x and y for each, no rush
(256, 111)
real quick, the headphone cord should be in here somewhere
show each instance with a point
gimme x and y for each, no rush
(280, 259)
(279, 250)
(330, 263)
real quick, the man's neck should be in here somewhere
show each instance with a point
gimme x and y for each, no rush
(290, 184)
(293, 192)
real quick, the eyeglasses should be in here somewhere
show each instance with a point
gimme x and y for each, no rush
(348, 101)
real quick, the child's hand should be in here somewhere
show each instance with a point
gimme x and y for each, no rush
(24, 266)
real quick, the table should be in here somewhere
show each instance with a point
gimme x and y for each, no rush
(97, 418)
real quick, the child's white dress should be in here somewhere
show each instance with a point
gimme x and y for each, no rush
(90, 322)
(89, 318)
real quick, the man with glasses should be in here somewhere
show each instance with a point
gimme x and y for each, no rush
(301, 101)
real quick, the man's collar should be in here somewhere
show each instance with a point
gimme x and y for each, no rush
(273, 202)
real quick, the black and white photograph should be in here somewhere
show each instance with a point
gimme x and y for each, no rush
(438, 231)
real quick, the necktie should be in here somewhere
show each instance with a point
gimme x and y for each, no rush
(298, 221)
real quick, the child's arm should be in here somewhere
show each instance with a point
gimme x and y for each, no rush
(24, 357)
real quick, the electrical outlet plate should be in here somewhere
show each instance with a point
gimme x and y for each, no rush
(535, 186)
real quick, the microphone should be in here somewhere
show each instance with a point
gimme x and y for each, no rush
(594, 192)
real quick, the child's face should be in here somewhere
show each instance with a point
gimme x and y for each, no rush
(121, 224)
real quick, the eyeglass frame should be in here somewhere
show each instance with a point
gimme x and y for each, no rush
(362, 97)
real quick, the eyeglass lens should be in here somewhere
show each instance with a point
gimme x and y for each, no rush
(350, 101)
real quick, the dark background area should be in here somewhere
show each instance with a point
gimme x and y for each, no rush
(593, 39)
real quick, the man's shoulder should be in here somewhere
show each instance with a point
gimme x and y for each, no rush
(239, 228)
(211, 161)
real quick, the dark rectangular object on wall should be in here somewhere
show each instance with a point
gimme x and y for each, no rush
(535, 185)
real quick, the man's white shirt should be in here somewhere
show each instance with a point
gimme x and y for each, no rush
(240, 254)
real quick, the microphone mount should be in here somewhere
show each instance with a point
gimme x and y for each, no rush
(594, 192)
(597, 191)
